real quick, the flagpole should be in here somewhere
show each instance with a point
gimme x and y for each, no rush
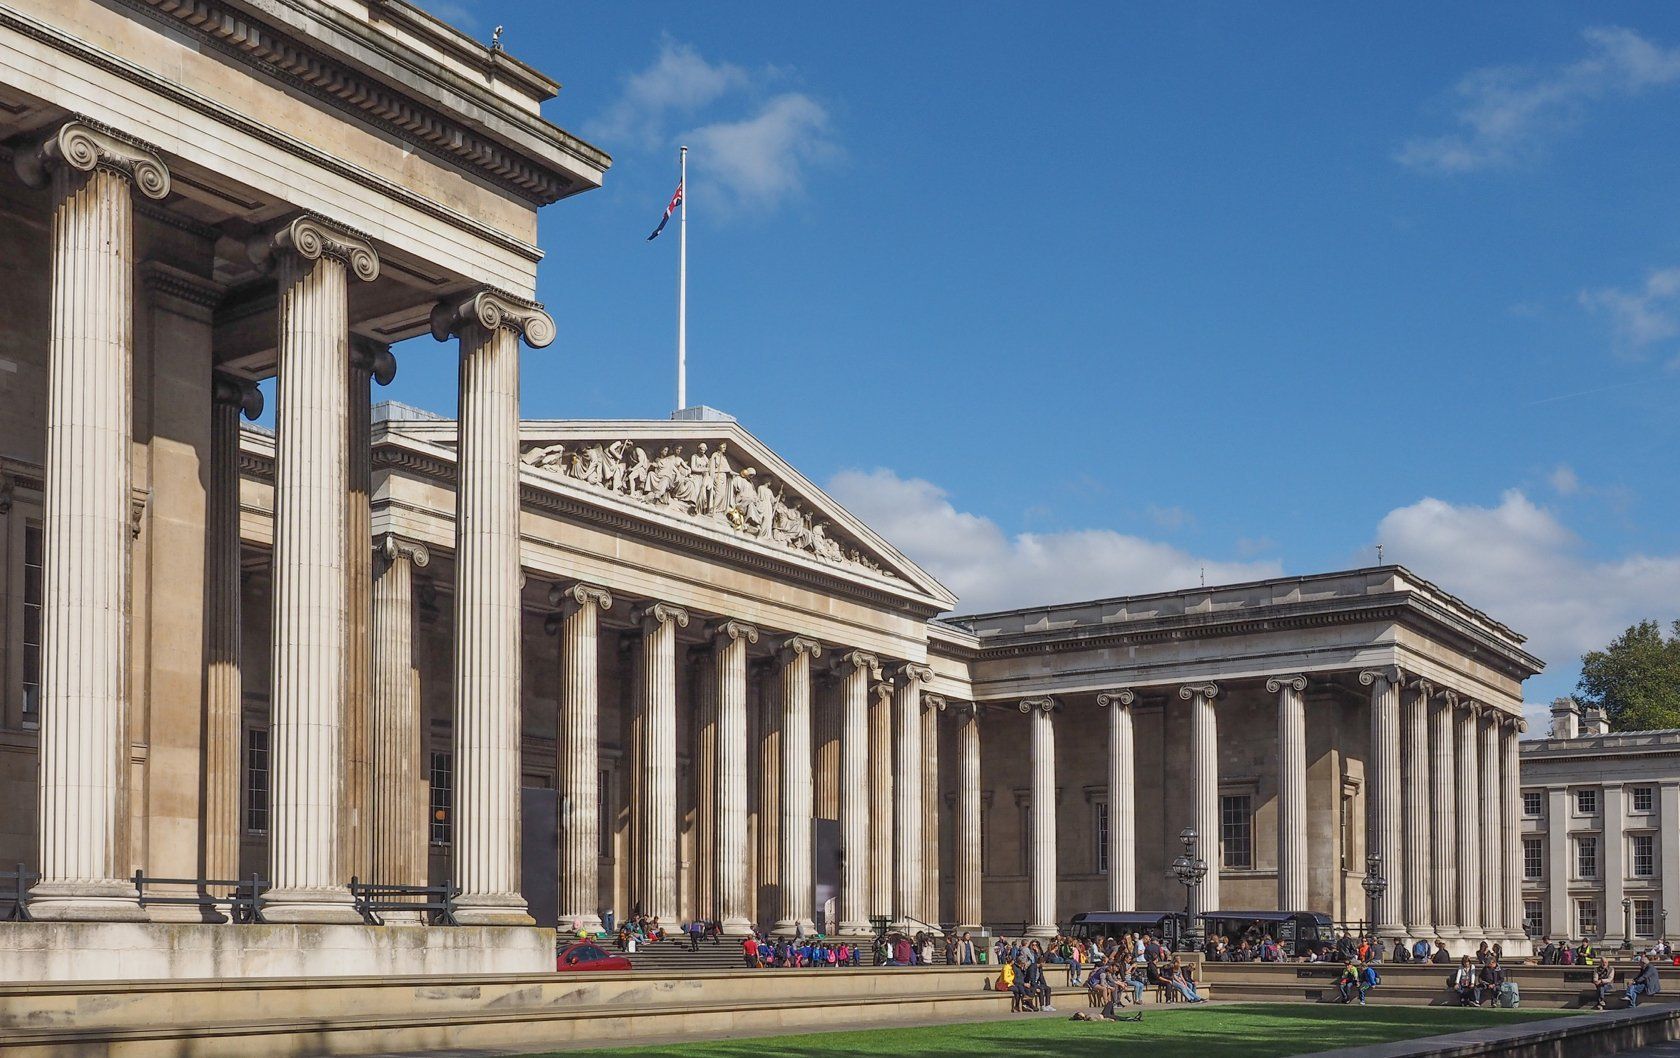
(682, 283)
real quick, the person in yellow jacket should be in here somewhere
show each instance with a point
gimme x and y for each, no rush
(1006, 983)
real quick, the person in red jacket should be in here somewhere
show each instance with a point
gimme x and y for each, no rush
(749, 950)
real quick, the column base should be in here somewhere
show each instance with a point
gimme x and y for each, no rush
(735, 927)
(570, 925)
(855, 928)
(794, 927)
(1041, 930)
(325, 904)
(107, 901)
(493, 909)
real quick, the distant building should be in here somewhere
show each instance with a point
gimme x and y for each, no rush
(1600, 829)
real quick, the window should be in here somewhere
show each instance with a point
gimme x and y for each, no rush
(32, 596)
(604, 806)
(1099, 816)
(1586, 918)
(1644, 799)
(443, 786)
(1644, 918)
(1644, 856)
(1586, 858)
(1534, 858)
(1236, 831)
(1349, 854)
(1534, 803)
(1586, 802)
(256, 781)
(1532, 920)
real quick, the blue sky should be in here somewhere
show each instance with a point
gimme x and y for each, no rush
(1074, 300)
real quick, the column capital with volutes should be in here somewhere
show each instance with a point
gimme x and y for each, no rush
(492, 310)
(573, 597)
(1043, 704)
(233, 391)
(798, 646)
(313, 238)
(391, 547)
(1389, 673)
(1449, 698)
(1122, 697)
(651, 616)
(858, 660)
(373, 357)
(933, 702)
(1296, 683)
(726, 632)
(1208, 691)
(910, 672)
(83, 145)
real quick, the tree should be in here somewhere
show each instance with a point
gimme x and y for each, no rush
(1636, 679)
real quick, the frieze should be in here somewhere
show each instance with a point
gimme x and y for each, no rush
(705, 485)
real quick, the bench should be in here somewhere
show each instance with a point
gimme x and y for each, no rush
(243, 897)
(435, 903)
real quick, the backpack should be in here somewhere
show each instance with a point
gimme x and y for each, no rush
(1509, 996)
(1373, 978)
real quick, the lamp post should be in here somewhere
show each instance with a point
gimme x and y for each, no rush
(1375, 885)
(1190, 869)
(1665, 927)
(1627, 923)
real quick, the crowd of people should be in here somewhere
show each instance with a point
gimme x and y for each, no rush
(1114, 971)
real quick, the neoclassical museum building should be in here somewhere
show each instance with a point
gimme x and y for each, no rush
(570, 670)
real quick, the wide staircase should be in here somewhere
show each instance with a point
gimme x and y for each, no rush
(673, 956)
(294, 1018)
(1539, 986)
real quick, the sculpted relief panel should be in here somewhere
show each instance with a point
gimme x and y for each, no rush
(701, 484)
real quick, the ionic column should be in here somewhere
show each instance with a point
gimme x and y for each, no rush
(1385, 793)
(1443, 773)
(1492, 826)
(856, 670)
(907, 792)
(764, 799)
(704, 684)
(578, 765)
(731, 639)
(85, 530)
(398, 787)
(968, 817)
(1468, 865)
(1415, 810)
(368, 360)
(223, 678)
(1122, 803)
(1041, 871)
(880, 787)
(1510, 802)
(798, 887)
(311, 486)
(486, 859)
(825, 753)
(932, 705)
(657, 848)
(1292, 790)
(1204, 788)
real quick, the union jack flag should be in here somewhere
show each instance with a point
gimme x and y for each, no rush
(676, 200)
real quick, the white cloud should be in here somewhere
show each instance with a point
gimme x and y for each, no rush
(1517, 562)
(989, 569)
(1506, 114)
(1170, 518)
(1564, 480)
(762, 159)
(1644, 315)
(679, 82)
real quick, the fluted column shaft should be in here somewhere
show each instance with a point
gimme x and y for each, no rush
(880, 787)
(1492, 826)
(929, 909)
(705, 782)
(1443, 774)
(825, 752)
(85, 529)
(907, 794)
(797, 883)
(1122, 800)
(1041, 871)
(1385, 795)
(657, 846)
(1415, 812)
(397, 784)
(485, 863)
(1292, 790)
(310, 576)
(856, 797)
(764, 775)
(732, 638)
(224, 647)
(1204, 790)
(579, 755)
(968, 836)
(1469, 852)
(1510, 802)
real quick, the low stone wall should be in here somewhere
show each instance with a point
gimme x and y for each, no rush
(150, 951)
(1588, 1036)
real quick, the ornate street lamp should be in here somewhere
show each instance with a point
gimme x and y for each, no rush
(1627, 923)
(1190, 869)
(1375, 885)
(1665, 926)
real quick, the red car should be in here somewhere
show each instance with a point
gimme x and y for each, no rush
(583, 955)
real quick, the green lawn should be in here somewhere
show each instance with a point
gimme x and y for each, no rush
(1238, 1030)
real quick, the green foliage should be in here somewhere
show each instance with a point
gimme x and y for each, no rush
(1636, 679)
(1234, 1031)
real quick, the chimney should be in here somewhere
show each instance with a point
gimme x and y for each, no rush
(1565, 716)
(1594, 722)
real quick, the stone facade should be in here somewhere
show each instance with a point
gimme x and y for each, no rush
(1600, 854)
(568, 668)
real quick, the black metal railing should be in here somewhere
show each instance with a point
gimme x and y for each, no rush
(242, 899)
(17, 894)
(434, 903)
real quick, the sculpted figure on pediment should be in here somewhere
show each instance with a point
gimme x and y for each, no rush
(547, 457)
(636, 473)
(691, 485)
(662, 476)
